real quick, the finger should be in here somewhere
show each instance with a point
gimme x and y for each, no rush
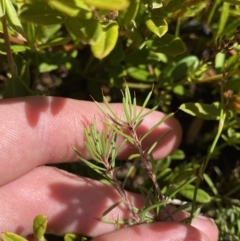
(202, 223)
(156, 232)
(71, 203)
(39, 130)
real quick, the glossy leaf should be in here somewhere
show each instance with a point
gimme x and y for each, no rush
(2, 8)
(131, 13)
(203, 111)
(7, 236)
(158, 26)
(72, 8)
(39, 227)
(89, 31)
(108, 4)
(12, 17)
(188, 192)
(168, 44)
(40, 12)
(107, 41)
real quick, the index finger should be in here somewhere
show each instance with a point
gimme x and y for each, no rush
(39, 130)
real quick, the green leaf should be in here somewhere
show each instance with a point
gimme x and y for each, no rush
(107, 41)
(7, 236)
(39, 227)
(168, 44)
(203, 111)
(210, 183)
(175, 5)
(237, 2)
(108, 210)
(73, 237)
(184, 175)
(188, 192)
(23, 69)
(54, 42)
(2, 8)
(186, 66)
(30, 32)
(223, 18)
(117, 55)
(178, 155)
(72, 8)
(158, 26)
(15, 87)
(40, 12)
(47, 67)
(138, 73)
(131, 13)
(12, 17)
(108, 4)
(87, 30)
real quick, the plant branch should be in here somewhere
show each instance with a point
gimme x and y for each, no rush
(11, 63)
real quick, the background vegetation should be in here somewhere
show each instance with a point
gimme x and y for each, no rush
(187, 49)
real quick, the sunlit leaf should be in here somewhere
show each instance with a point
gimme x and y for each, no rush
(72, 8)
(12, 17)
(39, 227)
(131, 12)
(7, 236)
(158, 26)
(108, 4)
(2, 8)
(107, 42)
(204, 111)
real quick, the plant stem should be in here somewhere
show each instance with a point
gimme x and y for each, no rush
(11, 63)
(149, 169)
(222, 119)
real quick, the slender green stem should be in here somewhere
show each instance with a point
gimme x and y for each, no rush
(213, 9)
(222, 119)
(177, 30)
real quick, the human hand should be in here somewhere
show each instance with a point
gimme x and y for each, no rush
(42, 130)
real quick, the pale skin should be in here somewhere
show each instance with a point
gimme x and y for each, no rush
(42, 130)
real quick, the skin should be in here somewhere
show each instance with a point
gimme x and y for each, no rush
(42, 130)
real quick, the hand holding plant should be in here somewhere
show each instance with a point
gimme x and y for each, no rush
(40, 130)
